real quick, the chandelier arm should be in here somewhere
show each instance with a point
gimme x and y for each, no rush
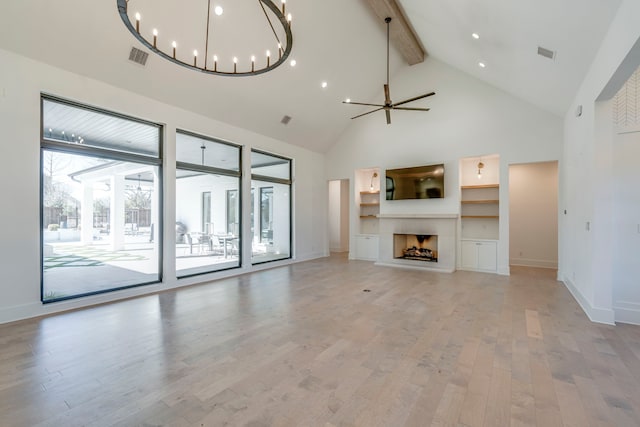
(270, 24)
(286, 49)
(206, 41)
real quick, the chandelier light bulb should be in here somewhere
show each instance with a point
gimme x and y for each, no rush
(253, 58)
(348, 100)
(218, 10)
(289, 18)
(195, 53)
(174, 45)
(155, 37)
(283, 6)
(215, 58)
(137, 23)
(235, 60)
(155, 32)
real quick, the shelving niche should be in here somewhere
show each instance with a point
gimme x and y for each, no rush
(479, 211)
(367, 189)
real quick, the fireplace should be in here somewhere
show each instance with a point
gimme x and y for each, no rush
(416, 247)
(439, 231)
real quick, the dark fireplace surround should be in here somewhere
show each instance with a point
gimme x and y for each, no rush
(415, 247)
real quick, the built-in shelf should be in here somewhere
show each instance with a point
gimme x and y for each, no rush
(368, 203)
(480, 207)
(419, 216)
(469, 187)
(480, 202)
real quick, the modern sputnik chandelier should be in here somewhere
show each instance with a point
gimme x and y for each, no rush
(211, 63)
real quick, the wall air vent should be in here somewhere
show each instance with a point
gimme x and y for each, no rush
(546, 53)
(138, 56)
(285, 120)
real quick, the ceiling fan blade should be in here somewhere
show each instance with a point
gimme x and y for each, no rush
(414, 99)
(387, 98)
(362, 103)
(388, 113)
(410, 109)
(364, 114)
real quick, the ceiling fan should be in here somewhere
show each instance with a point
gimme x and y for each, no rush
(388, 105)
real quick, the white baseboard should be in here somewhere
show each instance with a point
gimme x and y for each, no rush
(627, 312)
(595, 314)
(531, 262)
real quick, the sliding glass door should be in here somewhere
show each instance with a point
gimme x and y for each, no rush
(207, 205)
(271, 205)
(100, 201)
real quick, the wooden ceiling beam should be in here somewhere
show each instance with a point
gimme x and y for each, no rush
(402, 34)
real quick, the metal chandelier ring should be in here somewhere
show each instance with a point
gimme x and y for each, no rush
(282, 56)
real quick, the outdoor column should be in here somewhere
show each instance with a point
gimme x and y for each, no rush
(116, 228)
(86, 212)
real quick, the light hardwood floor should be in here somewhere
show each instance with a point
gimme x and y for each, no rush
(304, 345)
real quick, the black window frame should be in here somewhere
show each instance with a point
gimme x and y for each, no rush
(50, 145)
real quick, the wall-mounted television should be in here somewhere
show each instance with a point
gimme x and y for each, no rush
(419, 182)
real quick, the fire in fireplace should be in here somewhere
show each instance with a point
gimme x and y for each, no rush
(418, 247)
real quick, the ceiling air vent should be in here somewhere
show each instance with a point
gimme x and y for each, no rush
(285, 120)
(546, 53)
(138, 56)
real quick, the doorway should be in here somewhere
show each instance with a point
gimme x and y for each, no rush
(533, 214)
(339, 215)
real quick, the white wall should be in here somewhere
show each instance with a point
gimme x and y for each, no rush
(626, 229)
(533, 214)
(586, 176)
(21, 82)
(467, 118)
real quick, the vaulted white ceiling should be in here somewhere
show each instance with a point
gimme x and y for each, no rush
(341, 42)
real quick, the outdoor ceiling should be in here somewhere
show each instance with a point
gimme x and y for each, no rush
(341, 42)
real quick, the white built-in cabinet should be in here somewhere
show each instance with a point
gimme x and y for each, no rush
(481, 255)
(366, 247)
(365, 241)
(479, 214)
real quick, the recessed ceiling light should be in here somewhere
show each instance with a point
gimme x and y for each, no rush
(482, 64)
(324, 85)
(475, 36)
(293, 62)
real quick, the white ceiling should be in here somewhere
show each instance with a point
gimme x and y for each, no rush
(334, 40)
